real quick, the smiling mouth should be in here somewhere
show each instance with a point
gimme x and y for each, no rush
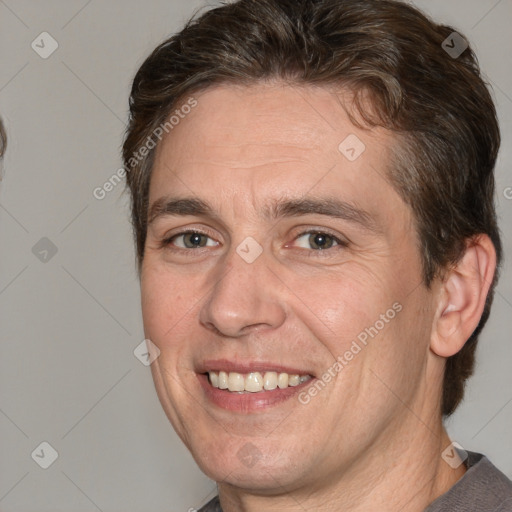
(254, 382)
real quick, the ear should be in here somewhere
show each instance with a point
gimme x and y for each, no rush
(462, 297)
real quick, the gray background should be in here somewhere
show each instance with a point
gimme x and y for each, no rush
(69, 325)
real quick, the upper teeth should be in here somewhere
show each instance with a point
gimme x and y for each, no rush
(255, 381)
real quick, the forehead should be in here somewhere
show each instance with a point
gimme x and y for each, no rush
(270, 137)
(276, 114)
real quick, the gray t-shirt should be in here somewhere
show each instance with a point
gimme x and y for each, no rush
(483, 488)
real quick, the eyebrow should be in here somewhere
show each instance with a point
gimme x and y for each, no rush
(276, 209)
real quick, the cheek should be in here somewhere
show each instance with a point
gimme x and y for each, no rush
(369, 314)
(345, 302)
(397, 355)
(153, 300)
(162, 305)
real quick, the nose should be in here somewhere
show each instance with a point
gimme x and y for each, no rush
(246, 296)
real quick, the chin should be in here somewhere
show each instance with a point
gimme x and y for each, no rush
(249, 464)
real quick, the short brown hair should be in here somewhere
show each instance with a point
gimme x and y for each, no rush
(437, 105)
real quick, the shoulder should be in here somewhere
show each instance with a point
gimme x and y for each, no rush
(483, 487)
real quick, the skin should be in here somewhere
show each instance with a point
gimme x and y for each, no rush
(372, 438)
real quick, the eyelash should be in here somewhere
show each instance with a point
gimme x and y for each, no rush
(166, 243)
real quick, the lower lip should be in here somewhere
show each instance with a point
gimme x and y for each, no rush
(248, 402)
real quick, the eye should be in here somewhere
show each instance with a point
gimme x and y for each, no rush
(319, 240)
(189, 240)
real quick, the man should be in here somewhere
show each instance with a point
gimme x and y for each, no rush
(312, 201)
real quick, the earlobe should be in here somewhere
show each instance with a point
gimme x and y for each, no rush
(462, 297)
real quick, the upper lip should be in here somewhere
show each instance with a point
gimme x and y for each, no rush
(216, 365)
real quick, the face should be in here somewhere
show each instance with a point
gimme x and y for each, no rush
(276, 259)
